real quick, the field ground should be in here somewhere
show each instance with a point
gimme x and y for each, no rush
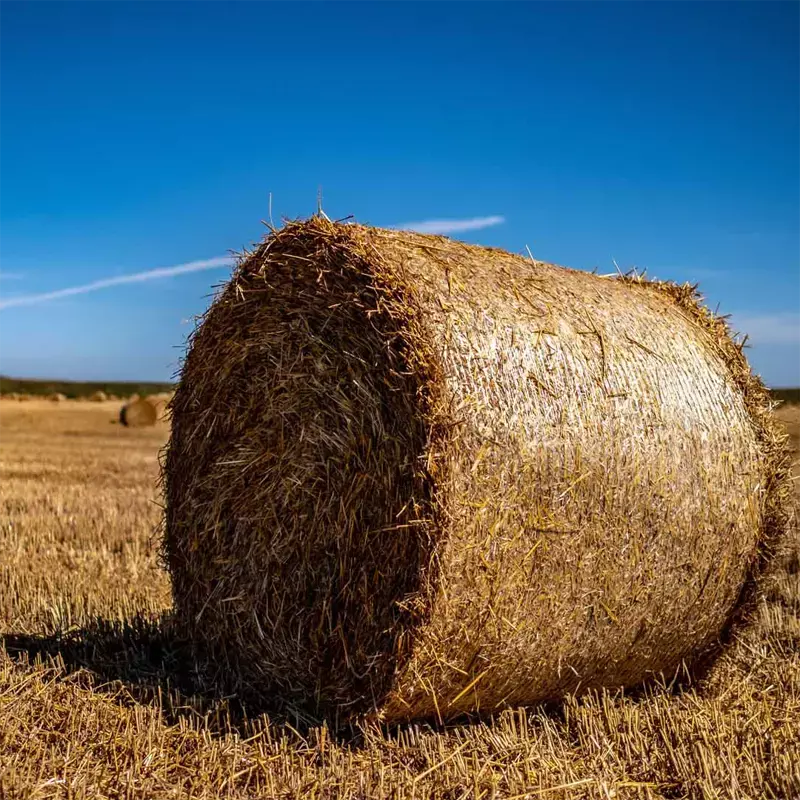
(97, 699)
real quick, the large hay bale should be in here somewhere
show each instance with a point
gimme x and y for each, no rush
(98, 397)
(410, 477)
(138, 414)
(56, 397)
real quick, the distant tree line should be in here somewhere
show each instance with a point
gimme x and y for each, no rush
(786, 395)
(127, 388)
(81, 388)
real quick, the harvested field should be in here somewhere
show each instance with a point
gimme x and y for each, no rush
(98, 698)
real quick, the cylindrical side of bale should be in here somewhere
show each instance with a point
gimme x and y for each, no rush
(409, 477)
(138, 414)
(160, 402)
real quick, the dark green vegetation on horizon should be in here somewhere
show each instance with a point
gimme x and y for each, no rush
(786, 395)
(35, 386)
(44, 387)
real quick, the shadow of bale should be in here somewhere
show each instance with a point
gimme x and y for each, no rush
(155, 664)
(142, 661)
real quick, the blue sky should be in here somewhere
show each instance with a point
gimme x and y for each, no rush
(144, 136)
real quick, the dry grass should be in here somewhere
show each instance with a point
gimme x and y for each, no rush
(99, 699)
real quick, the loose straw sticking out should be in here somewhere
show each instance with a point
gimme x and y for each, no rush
(404, 468)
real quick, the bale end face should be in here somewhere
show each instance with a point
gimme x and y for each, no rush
(316, 471)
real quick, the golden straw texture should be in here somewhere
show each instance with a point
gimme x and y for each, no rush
(410, 477)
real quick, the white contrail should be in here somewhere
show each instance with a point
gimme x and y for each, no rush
(137, 277)
(780, 327)
(427, 226)
(451, 225)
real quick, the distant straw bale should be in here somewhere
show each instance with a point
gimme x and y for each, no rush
(98, 397)
(11, 396)
(138, 414)
(56, 397)
(161, 403)
(410, 477)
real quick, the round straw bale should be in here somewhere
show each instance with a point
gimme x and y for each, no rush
(409, 477)
(56, 397)
(98, 397)
(160, 402)
(138, 414)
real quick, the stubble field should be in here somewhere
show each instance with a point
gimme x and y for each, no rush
(99, 698)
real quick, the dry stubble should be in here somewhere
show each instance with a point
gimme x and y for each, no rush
(97, 699)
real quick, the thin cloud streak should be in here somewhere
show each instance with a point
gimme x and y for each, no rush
(444, 226)
(441, 226)
(690, 274)
(11, 276)
(782, 327)
(105, 283)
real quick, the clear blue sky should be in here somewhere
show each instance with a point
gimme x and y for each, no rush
(137, 136)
